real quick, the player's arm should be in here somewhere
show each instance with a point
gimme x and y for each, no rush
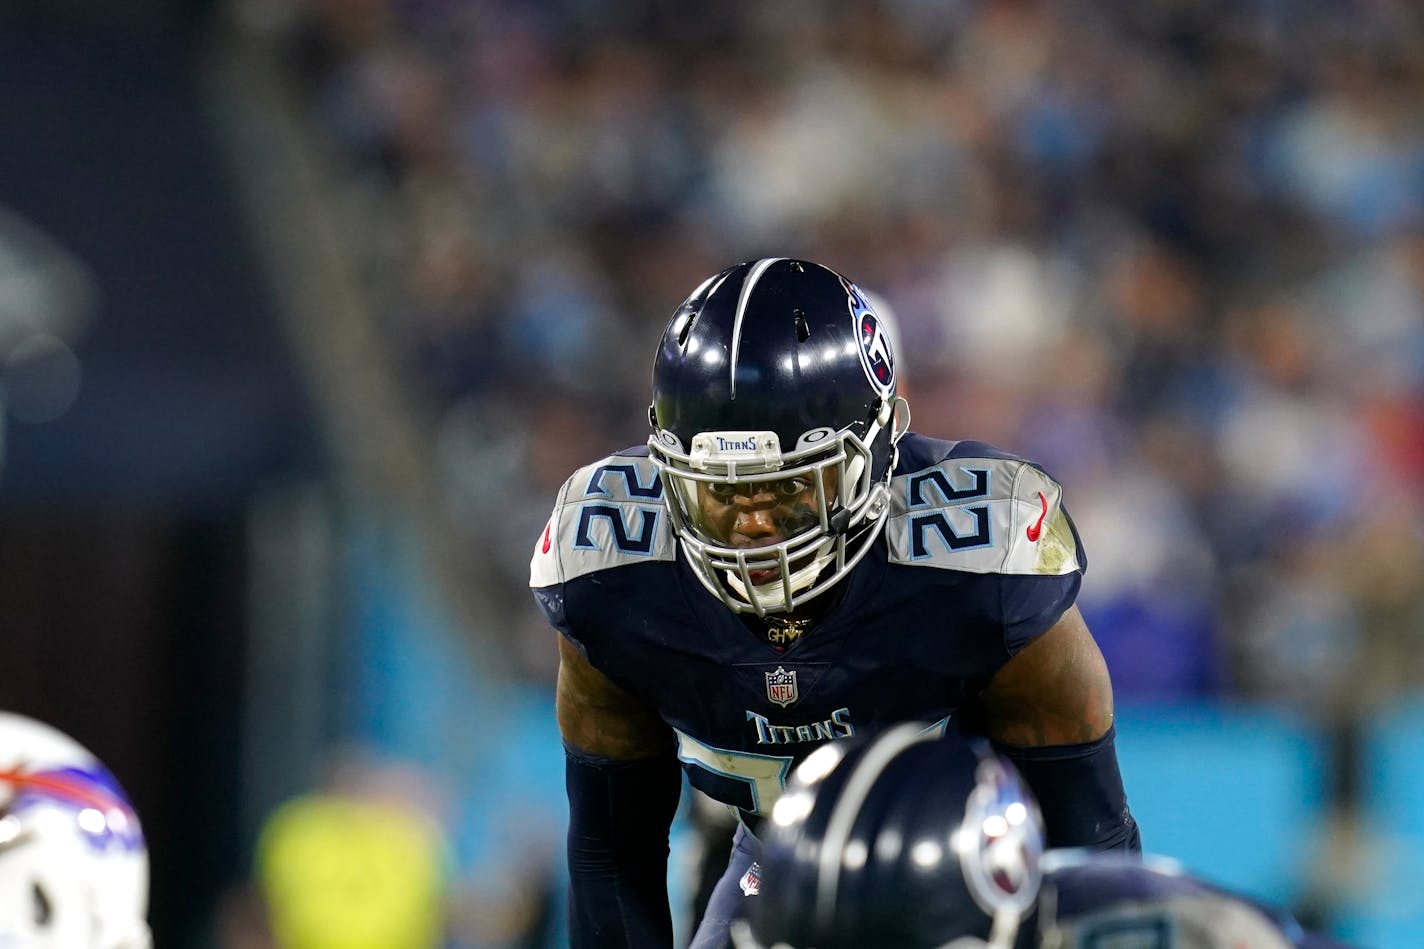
(1050, 709)
(623, 786)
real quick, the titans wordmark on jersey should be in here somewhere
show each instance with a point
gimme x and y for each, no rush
(978, 558)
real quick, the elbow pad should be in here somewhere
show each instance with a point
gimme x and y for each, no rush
(1079, 791)
(619, 814)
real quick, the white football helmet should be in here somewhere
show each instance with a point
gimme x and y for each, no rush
(73, 863)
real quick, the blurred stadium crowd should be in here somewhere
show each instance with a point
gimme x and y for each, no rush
(1172, 250)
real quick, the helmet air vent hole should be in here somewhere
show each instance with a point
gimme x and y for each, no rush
(686, 330)
(796, 266)
(41, 905)
(803, 331)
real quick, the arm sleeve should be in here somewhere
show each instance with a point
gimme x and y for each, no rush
(1079, 790)
(619, 814)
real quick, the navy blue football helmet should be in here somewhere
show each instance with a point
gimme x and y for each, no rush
(775, 382)
(909, 841)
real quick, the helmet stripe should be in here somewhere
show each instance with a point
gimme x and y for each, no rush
(842, 820)
(748, 285)
(64, 786)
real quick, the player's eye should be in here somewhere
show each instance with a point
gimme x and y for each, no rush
(784, 489)
(791, 487)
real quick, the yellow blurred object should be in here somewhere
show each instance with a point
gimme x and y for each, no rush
(339, 873)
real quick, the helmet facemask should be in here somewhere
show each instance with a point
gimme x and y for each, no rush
(828, 496)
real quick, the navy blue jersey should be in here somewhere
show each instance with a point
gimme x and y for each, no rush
(978, 558)
(1096, 901)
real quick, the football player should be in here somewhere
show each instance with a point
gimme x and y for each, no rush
(784, 564)
(910, 841)
(73, 863)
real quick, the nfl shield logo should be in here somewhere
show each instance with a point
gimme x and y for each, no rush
(751, 880)
(781, 686)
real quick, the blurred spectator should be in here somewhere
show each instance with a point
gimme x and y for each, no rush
(362, 863)
(368, 860)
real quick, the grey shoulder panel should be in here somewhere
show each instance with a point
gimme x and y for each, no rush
(608, 514)
(982, 515)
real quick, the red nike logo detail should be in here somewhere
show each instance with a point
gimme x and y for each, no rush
(1034, 529)
(545, 547)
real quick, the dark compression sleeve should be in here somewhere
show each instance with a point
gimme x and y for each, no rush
(1079, 790)
(619, 814)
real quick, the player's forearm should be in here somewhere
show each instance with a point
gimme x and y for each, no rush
(619, 814)
(1079, 789)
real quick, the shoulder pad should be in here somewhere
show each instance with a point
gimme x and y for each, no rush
(990, 514)
(608, 514)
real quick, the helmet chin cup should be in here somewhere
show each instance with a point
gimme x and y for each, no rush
(781, 594)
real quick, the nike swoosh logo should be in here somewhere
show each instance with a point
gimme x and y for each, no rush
(1032, 531)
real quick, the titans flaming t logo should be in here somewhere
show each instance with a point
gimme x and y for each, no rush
(875, 356)
(1000, 842)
